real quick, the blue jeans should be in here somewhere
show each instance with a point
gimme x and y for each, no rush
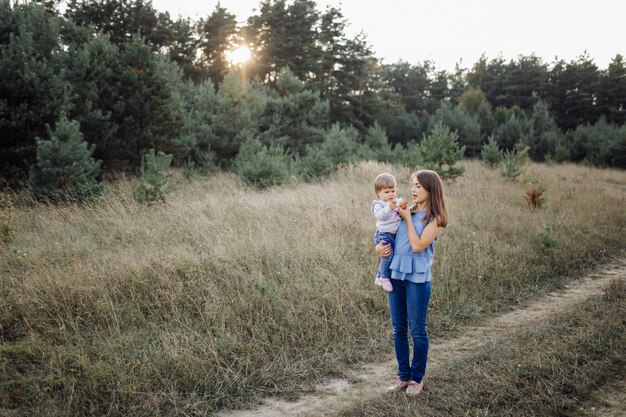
(408, 305)
(385, 261)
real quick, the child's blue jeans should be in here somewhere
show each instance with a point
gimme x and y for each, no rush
(385, 261)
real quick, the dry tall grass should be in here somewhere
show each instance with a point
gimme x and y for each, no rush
(224, 294)
(545, 370)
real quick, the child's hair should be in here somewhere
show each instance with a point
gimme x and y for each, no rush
(436, 209)
(384, 180)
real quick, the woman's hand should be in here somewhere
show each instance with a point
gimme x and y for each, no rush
(383, 248)
(405, 213)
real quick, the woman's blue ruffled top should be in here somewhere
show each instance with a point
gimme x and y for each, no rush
(406, 264)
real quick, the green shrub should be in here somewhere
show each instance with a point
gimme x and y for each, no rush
(598, 143)
(490, 154)
(376, 145)
(261, 166)
(514, 162)
(340, 145)
(6, 216)
(546, 239)
(154, 177)
(313, 165)
(65, 169)
(464, 124)
(512, 131)
(440, 150)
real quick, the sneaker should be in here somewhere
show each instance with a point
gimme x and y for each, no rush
(386, 284)
(414, 389)
(396, 386)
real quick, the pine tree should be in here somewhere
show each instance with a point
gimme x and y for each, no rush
(147, 112)
(193, 146)
(217, 35)
(261, 166)
(544, 135)
(340, 145)
(239, 106)
(513, 130)
(465, 125)
(64, 168)
(514, 161)
(295, 116)
(32, 87)
(286, 35)
(377, 144)
(440, 151)
(612, 96)
(313, 164)
(490, 154)
(154, 177)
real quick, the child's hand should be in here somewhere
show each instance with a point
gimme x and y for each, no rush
(393, 205)
(404, 205)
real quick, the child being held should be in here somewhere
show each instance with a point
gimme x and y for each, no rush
(385, 209)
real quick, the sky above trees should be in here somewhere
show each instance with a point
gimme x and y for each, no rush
(450, 31)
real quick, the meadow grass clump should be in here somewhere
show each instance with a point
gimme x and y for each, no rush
(224, 294)
(547, 369)
(6, 216)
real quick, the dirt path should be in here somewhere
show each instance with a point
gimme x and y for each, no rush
(609, 401)
(371, 378)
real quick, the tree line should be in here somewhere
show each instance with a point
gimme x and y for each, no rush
(124, 79)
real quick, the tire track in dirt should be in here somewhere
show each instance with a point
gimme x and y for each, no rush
(371, 379)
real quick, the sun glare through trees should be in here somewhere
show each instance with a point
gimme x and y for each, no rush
(238, 56)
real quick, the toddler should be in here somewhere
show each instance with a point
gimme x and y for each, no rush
(385, 209)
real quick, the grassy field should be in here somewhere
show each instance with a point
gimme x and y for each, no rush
(547, 370)
(224, 294)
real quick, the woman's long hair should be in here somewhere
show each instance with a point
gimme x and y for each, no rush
(436, 209)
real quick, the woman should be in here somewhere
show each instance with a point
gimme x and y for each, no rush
(411, 277)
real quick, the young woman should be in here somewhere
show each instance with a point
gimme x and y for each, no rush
(411, 276)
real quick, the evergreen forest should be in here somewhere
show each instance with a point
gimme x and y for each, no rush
(93, 86)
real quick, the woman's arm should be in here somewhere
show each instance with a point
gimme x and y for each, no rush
(419, 243)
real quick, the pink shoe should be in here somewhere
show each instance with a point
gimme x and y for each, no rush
(377, 281)
(396, 386)
(386, 284)
(414, 389)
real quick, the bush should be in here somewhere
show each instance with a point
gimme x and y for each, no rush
(376, 145)
(512, 131)
(260, 166)
(440, 150)
(313, 165)
(534, 195)
(490, 154)
(464, 124)
(546, 239)
(340, 145)
(598, 143)
(64, 168)
(514, 162)
(544, 135)
(154, 177)
(6, 216)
